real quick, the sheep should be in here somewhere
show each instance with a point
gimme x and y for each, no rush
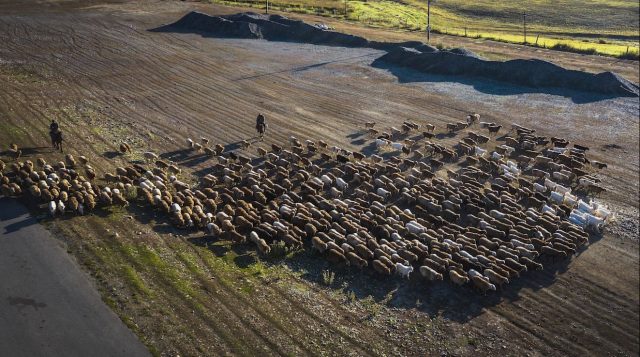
(381, 267)
(495, 278)
(472, 118)
(150, 156)
(429, 273)
(52, 208)
(403, 270)
(125, 148)
(355, 260)
(456, 277)
(483, 284)
(384, 193)
(318, 244)
(493, 129)
(599, 165)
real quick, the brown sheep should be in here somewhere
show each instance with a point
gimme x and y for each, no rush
(336, 257)
(356, 261)
(381, 267)
(496, 278)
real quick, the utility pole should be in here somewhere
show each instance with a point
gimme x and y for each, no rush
(345, 9)
(524, 26)
(266, 7)
(428, 20)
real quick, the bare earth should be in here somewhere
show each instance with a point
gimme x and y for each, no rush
(107, 78)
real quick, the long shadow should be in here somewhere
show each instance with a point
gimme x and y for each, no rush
(111, 154)
(32, 150)
(177, 155)
(488, 86)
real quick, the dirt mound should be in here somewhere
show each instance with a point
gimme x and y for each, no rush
(412, 54)
(268, 27)
(522, 72)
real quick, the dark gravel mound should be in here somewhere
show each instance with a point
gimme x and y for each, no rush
(523, 72)
(412, 54)
(268, 27)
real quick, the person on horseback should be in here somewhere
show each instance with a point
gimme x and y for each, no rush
(53, 127)
(261, 125)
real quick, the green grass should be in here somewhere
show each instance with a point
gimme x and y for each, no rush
(607, 27)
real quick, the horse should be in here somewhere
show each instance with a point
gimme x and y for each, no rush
(261, 128)
(56, 140)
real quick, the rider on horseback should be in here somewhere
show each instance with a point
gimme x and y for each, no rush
(261, 125)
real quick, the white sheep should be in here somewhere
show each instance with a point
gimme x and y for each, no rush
(221, 217)
(397, 146)
(404, 270)
(556, 197)
(547, 209)
(497, 214)
(382, 143)
(384, 193)
(326, 179)
(562, 189)
(468, 256)
(415, 227)
(550, 184)
(342, 184)
(585, 207)
(280, 226)
(517, 243)
(539, 188)
(190, 143)
(593, 221)
(602, 212)
(570, 199)
(496, 156)
(52, 208)
(479, 151)
(451, 243)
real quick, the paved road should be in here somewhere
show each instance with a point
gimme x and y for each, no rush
(48, 305)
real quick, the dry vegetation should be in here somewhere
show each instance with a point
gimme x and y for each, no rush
(109, 80)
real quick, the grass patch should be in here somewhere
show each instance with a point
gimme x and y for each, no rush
(134, 280)
(11, 132)
(570, 23)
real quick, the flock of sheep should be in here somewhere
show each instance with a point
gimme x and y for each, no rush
(494, 218)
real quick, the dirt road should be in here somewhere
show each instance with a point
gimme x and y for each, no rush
(49, 306)
(107, 79)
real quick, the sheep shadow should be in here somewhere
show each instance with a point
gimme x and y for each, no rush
(358, 142)
(370, 149)
(195, 160)
(355, 135)
(447, 135)
(177, 155)
(111, 154)
(443, 298)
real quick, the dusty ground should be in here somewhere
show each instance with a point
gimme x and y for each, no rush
(108, 79)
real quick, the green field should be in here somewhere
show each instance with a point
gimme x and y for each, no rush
(607, 27)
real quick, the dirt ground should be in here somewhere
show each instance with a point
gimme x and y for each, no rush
(98, 69)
